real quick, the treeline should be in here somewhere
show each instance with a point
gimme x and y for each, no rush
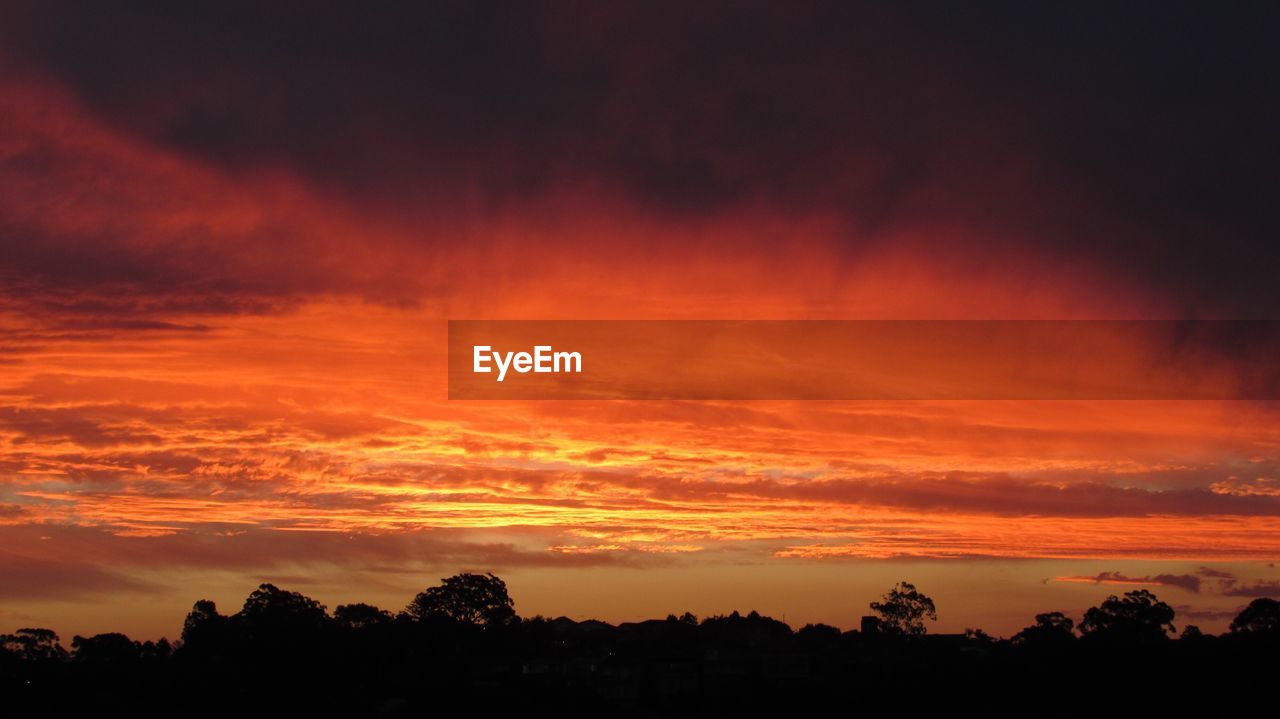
(461, 645)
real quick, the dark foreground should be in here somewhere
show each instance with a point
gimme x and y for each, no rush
(284, 654)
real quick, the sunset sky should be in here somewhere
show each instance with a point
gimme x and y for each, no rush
(231, 239)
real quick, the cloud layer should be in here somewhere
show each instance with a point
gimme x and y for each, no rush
(228, 248)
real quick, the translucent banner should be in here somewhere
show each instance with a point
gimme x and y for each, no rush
(863, 359)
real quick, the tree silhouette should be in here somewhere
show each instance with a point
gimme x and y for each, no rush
(737, 631)
(818, 632)
(109, 648)
(1138, 617)
(1050, 627)
(1262, 616)
(904, 610)
(479, 599)
(360, 616)
(282, 622)
(283, 653)
(979, 636)
(160, 649)
(34, 645)
(203, 624)
(269, 605)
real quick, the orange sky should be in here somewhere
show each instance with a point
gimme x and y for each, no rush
(259, 394)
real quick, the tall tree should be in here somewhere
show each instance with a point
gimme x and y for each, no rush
(1262, 616)
(273, 609)
(1050, 628)
(34, 645)
(480, 599)
(360, 616)
(203, 624)
(1139, 616)
(904, 610)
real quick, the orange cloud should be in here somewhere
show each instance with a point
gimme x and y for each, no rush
(208, 372)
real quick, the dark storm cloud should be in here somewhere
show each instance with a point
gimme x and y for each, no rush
(1138, 135)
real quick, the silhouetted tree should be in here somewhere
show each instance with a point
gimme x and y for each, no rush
(276, 620)
(109, 648)
(269, 605)
(1050, 628)
(819, 638)
(904, 610)
(979, 636)
(204, 627)
(822, 632)
(1191, 632)
(686, 618)
(360, 616)
(1262, 616)
(753, 630)
(160, 649)
(34, 645)
(283, 653)
(480, 599)
(1137, 617)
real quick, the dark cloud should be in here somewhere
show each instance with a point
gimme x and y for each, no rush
(1226, 583)
(1260, 588)
(107, 560)
(70, 424)
(1187, 611)
(69, 563)
(61, 579)
(987, 494)
(119, 424)
(1139, 135)
(1188, 582)
(100, 239)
